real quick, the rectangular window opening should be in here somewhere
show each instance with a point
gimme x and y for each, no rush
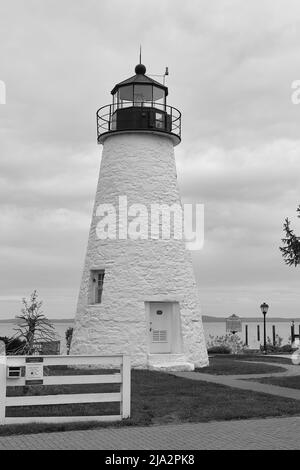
(97, 280)
(159, 120)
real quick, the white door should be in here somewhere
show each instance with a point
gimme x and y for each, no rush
(160, 327)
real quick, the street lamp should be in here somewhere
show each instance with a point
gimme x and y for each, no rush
(264, 309)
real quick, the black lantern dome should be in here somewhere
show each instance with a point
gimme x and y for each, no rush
(139, 104)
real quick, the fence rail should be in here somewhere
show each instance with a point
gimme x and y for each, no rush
(29, 370)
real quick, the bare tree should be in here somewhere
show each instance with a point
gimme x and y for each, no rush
(291, 249)
(33, 327)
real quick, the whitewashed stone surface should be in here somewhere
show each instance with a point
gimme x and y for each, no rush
(141, 166)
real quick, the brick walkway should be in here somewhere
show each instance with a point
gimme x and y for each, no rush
(270, 433)
(273, 433)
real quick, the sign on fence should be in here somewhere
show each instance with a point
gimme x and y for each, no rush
(29, 370)
(34, 374)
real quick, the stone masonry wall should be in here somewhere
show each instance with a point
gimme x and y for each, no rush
(142, 167)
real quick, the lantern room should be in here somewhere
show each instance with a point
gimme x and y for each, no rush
(139, 104)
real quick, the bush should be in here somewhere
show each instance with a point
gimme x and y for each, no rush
(228, 343)
(11, 344)
(219, 350)
(275, 348)
(287, 348)
(270, 348)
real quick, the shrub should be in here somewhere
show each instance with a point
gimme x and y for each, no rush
(219, 350)
(32, 326)
(228, 343)
(12, 344)
(275, 347)
(287, 348)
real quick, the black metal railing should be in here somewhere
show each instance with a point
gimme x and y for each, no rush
(108, 119)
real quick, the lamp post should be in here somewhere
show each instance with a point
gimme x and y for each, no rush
(264, 309)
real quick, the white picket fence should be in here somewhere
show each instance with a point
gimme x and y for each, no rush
(34, 365)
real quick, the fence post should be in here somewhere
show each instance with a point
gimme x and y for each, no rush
(274, 335)
(292, 333)
(2, 382)
(126, 387)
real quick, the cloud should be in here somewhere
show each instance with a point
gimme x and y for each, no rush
(231, 66)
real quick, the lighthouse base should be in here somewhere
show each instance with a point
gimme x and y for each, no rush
(169, 362)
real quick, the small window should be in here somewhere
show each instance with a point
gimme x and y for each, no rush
(97, 280)
(159, 120)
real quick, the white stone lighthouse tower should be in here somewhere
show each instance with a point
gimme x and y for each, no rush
(138, 294)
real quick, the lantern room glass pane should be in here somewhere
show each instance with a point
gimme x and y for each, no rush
(126, 93)
(142, 93)
(158, 93)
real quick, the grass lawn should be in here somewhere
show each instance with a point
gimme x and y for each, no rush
(292, 381)
(228, 365)
(160, 398)
(254, 357)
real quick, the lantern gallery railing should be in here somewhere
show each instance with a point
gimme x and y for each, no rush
(144, 116)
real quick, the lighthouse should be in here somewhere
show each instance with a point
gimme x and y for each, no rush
(138, 294)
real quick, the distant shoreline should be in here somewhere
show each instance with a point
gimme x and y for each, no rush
(54, 320)
(205, 319)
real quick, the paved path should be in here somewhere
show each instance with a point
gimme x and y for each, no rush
(290, 369)
(271, 433)
(243, 382)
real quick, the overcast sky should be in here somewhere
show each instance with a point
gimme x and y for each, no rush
(231, 67)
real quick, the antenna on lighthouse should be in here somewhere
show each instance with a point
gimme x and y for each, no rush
(166, 73)
(140, 54)
(161, 75)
